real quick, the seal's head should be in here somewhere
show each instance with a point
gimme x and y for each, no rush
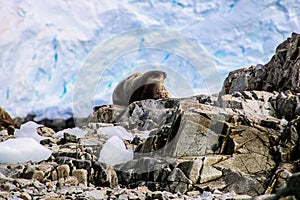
(140, 87)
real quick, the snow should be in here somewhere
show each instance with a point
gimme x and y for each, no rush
(29, 130)
(79, 133)
(119, 131)
(20, 150)
(44, 46)
(114, 152)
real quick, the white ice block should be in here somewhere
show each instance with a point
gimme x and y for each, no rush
(22, 150)
(119, 131)
(114, 152)
(29, 130)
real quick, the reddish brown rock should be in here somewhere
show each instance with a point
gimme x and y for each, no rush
(6, 122)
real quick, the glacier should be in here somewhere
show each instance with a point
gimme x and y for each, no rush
(44, 45)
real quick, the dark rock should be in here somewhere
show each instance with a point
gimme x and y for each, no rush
(289, 142)
(69, 138)
(191, 168)
(148, 114)
(178, 182)
(280, 73)
(286, 105)
(104, 175)
(145, 169)
(291, 188)
(6, 122)
(45, 131)
(242, 184)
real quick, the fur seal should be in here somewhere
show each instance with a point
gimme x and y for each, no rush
(138, 86)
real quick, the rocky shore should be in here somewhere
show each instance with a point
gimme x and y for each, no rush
(242, 143)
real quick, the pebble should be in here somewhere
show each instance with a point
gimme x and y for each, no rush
(25, 196)
(63, 171)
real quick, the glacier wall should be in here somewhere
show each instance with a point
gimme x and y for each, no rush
(43, 44)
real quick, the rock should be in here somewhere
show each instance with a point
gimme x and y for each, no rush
(178, 182)
(70, 180)
(265, 197)
(6, 122)
(242, 184)
(285, 104)
(69, 138)
(148, 114)
(191, 168)
(289, 142)
(140, 87)
(93, 144)
(4, 194)
(194, 137)
(81, 175)
(94, 194)
(104, 175)
(55, 124)
(38, 175)
(45, 131)
(256, 106)
(63, 171)
(145, 169)
(281, 176)
(280, 73)
(25, 196)
(291, 188)
(209, 172)
(106, 114)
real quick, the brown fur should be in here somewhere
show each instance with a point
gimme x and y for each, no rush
(140, 87)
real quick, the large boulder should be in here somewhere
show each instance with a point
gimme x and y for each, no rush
(280, 73)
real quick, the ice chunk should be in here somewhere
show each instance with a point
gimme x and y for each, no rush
(20, 150)
(29, 130)
(114, 152)
(73, 131)
(119, 131)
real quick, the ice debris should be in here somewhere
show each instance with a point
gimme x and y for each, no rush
(119, 131)
(20, 150)
(73, 131)
(114, 152)
(29, 130)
